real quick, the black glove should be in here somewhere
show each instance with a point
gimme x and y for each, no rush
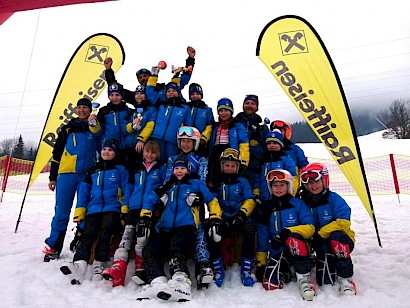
(160, 191)
(189, 61)
(143, 226)
(280, 239)
(215, 229)
(239, 221)
(260, 272)
(317, 243)
(77, 238)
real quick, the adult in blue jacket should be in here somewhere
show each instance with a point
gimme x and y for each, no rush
(257, 131)
(74, 153)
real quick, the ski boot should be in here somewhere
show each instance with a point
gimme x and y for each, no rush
(219, 272)
(204, 275)
(306, 287)
(77, 238)
(347, 286)
(272, 279)
(75, 271)
(150, 291)
(178, 288)
(50, 254)
(116, 273)
(97, 271)
(246, 273)
(140, 275)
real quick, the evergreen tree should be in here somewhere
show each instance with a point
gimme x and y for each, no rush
(18, 151)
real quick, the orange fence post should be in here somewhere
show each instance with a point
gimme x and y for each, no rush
(6, 176)
(395, 181)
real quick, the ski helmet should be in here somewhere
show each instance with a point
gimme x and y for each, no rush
(231, 154)
(315, 172)
(189, 132)
(279, 124)
(280, 175)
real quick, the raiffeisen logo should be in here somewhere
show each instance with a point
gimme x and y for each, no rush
(318, 117)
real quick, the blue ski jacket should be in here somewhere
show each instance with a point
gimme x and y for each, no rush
(198, 166)
(278, 213)
(112, 122)
(105, 189)
(177, 212)
(143, 181)
(202, 118)
(75, 150)
(156, 92)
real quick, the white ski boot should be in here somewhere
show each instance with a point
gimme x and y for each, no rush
(347, 286)
(75, 271)
(97, 271)
(178, 289)
(306, 286)
(150, 291)
(205, 276)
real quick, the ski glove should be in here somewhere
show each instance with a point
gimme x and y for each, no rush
(215, 229)
(143, 227)
(278, 240)
(79, 214)
(238, 221)
(195, 199)
(160, 191)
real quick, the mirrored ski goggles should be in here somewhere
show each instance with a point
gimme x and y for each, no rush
(185, 131)
(311, 175)
(230, 154)
(280, 124)
(276, 175)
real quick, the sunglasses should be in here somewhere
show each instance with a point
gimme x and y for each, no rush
(276, 175)
(311, 175)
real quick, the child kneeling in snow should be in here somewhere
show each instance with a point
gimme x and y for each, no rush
(174, 233)
(333, 240)
(99, 204)
(285, 226)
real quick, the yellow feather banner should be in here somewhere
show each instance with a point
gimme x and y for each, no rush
(83, 77)
(296, 56)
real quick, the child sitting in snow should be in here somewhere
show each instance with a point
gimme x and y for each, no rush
(333, 240)
(100, 206)
(174, 233)
(285, 226)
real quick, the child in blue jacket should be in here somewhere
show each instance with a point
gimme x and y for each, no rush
(103, 197)
(285, 226)
(174, 233)
(235, 197)
(333, 240)
(144, 178)
(274, 158)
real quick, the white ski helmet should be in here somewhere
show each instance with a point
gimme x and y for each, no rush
(189, 132)
(280, 175)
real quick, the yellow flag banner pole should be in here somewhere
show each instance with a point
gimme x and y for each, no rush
(296, 56)
(83, 77)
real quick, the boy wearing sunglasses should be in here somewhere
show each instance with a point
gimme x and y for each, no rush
(333, 240)
(283, 231)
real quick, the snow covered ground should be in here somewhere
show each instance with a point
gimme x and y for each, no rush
(382, 275)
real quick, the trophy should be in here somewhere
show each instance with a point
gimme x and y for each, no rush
(138, 115)
(95, 106)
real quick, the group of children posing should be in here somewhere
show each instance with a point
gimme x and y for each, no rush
(177, 183)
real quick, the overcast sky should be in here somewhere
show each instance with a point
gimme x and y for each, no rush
(369, 42)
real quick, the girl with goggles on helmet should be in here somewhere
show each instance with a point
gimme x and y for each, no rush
(284, 228)
(333, 240)
(235, 197)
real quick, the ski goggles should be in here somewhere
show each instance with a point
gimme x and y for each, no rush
(311, 175)
(280, 124)
(230, 154)
(185, 131)
(276, 175)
